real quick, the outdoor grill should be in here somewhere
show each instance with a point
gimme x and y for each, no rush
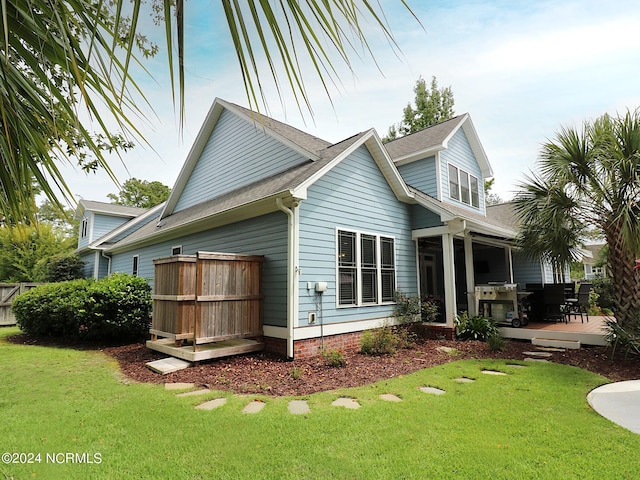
(499, 301)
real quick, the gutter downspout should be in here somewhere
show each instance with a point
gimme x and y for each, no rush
(293, 269)
(109, 260)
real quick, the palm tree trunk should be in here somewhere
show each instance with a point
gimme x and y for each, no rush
(626, 279)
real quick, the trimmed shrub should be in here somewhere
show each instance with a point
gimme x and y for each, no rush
(117, 307)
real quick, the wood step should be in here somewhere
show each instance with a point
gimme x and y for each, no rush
(550, 342)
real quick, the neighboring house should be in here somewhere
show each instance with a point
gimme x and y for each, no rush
(591, 256)
(366, 218)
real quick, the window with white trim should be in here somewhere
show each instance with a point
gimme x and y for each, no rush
(366, 269)
(464, 187)
(134, 266)
(84, 227)
(176, 250)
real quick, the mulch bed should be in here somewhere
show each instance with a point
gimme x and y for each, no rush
(266, 374)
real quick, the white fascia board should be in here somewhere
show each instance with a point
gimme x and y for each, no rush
(419, 155)
(488, 229)
(371, 140)
(477, 148)
(125, 226)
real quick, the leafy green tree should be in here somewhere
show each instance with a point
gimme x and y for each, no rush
(491, 198)
(22, 247)
(431, 107)
(589, 178)
(140, 193)
(62, 57)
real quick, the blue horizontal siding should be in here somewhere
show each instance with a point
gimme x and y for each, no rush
(423, 218)
(353, 196)
(459, 154)
(103, 224)
(266, 235)
(525, 269)
(237, 154)
(422, 175)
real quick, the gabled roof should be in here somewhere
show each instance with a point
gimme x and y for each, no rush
(259, 197)
(108, 209)
(305, 144)
(435, 138)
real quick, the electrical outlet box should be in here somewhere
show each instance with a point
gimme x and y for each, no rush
(312, 318)
(321, 287)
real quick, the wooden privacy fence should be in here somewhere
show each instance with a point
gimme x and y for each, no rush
(8, 293)
(207, 297)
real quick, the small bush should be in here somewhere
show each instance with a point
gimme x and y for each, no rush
(378, 342)
(333, 357)
(114, 308)
(474, 328)
(409, 308)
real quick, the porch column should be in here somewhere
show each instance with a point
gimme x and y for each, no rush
(448, 258)
(471, 281)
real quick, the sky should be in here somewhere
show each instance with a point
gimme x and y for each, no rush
(521, 69)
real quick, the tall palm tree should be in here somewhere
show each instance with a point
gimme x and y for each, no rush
(589, 179)
(63, 60)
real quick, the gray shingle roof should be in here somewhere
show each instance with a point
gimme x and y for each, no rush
(110, 208)
(259, 190)
(425, 139)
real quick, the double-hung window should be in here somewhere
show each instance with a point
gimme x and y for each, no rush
(366, 269)
(464, 187)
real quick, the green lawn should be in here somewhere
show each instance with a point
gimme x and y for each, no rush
(532, 423)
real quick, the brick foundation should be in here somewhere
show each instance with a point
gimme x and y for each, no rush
(436, 332)
(311, 347)
(348, 341)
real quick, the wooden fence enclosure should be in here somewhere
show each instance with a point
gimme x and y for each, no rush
(8, 292)
(206, 298)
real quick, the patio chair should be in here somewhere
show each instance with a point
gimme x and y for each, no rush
(554, 302)
(580, 305)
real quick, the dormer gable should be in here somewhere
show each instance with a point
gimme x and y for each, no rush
(99, 218)
(445, 161)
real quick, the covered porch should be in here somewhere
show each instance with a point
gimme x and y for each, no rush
(455, 258)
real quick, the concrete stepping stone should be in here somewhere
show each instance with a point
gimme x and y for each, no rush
(212, 404)
(539, 360)
(179, 386)
(464, 380)
(299, 407)
(538, 354)
(193, 393)
(345, 402)
(253, 407)
(449, 350)
(432, 390)
(516, 365)
(390, 397)
(167, 365)
(493, 372)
